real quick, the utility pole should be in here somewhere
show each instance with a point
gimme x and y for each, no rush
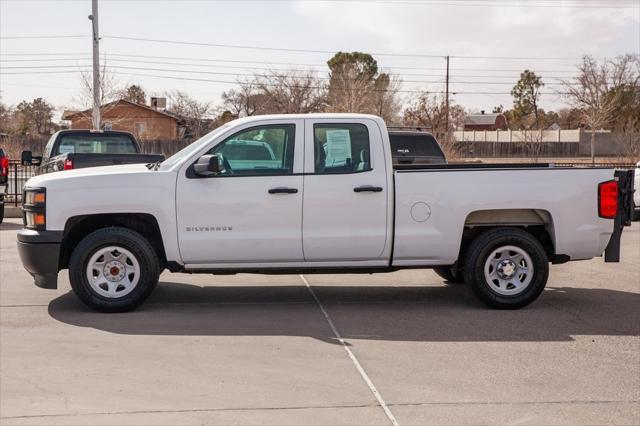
(446, 102)
(95, 116)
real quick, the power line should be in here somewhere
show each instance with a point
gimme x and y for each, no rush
(331, 52)
(110, 57)
(233, 74)
(278, 49)
(463, 3)
(40, 36)
(266, 62)
(237, 74)
(235, 83)
(42, 53)
(320, 87)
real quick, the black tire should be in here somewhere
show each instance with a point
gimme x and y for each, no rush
(129, 240)
(450, 274)
(484, 245)
(635, 216)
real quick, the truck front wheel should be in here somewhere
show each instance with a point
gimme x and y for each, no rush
(113, 269)
(507, 268)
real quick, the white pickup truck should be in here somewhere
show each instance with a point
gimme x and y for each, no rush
(315, 194)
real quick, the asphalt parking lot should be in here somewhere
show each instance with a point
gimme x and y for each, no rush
(251, 349)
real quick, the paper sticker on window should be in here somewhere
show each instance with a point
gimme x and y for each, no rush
(66, 149)
(338, 147)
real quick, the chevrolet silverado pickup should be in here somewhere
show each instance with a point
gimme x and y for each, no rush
(315, 193)
(77, 149)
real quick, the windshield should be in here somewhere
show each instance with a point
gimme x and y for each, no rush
(191, 148)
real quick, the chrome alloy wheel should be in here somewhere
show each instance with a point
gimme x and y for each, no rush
(113, 272)
(508, 270)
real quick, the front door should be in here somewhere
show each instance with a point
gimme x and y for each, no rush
(251, 212)
(346, 193)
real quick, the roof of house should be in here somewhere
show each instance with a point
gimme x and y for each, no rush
(481, 119)
(66, 115)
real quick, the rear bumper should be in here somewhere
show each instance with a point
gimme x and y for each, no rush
(40, 252)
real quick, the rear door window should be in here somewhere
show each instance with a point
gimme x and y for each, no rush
(341, 148)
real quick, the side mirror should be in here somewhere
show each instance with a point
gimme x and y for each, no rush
(208, 165)
(26, 158)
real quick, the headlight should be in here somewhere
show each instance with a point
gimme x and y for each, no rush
(34, 208)
(34, 197)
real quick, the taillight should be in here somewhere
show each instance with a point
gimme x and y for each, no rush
(608, 199)
(4, 166)
(68, 164)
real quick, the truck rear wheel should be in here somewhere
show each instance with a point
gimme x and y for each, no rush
(507, 268)
(450, 274)
(113, 269)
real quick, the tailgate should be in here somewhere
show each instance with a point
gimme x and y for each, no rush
(624, 214)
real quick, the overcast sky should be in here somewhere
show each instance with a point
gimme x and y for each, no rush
(490, 42)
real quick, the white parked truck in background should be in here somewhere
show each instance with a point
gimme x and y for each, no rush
(326, 199)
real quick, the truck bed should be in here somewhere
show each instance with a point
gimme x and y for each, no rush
(433, 207)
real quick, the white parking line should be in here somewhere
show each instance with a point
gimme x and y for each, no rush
(353, 358)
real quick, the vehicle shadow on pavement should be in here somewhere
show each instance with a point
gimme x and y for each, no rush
(426, 314)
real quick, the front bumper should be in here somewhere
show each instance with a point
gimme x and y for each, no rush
(40, 254)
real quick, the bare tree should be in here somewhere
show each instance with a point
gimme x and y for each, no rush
(386, 103)
(6, 114)
(242, 102)
(192, 114)
(110, 92)
(532, 142)
(598, 90)
(282, 92)
(429, 110)
(290, 92)
(627, 137)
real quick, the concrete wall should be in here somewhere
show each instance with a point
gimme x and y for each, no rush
(607, 144)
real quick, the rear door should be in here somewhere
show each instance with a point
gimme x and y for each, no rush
(346, 193)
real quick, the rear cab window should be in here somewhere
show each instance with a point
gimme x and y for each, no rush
(422, 145)
(96, 144)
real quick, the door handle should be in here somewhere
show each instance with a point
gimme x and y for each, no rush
(367, 188)
(283, 190)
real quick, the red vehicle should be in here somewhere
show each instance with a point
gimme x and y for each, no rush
(4, 178)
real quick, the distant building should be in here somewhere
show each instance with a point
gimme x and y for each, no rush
(484, 121)
(144, 122)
